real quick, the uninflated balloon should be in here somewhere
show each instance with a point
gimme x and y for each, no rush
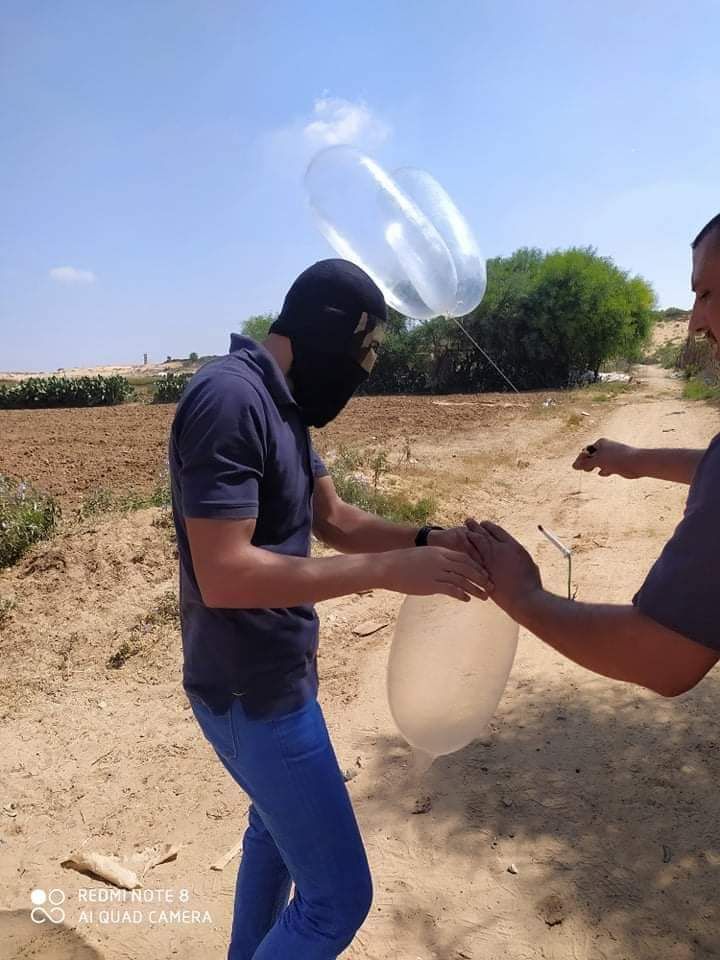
(449, 665)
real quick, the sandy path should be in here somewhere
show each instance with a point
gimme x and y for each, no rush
(588, 787)
(585, 785)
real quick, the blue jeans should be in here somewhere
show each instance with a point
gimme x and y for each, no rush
(302, 829)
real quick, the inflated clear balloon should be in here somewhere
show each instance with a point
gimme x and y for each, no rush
(403, 229)
(449, 665)
(368, 219)
(441, 211)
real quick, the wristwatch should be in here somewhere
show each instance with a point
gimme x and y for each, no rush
(421, 540)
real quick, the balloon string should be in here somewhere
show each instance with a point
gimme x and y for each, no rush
(486, 355)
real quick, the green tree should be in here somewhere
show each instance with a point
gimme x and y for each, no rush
(548, 319)
(258, 326)
(193, 358)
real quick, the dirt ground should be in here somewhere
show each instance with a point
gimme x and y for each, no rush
(604, 798)
(72, 453)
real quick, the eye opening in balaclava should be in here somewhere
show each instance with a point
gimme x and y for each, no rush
(333, 316)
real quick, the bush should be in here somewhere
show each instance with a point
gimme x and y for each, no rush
(354, 489)
(102, 500)
(697, 363)
(698, 389)
(170, 388)
(26, 516)
(667, 355)
(258, 327)
(546, 320)
(65, 392)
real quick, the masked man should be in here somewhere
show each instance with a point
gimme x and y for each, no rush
(248, 489)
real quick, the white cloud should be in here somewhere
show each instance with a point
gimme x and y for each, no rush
(341, 121)
(331, 121)
(72, 276)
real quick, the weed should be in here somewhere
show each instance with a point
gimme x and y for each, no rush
(667, 355)
(378, 464)
(362, 493)
(7, 605)
(167, 609)
(698, 389)
(26, 516)
(104, 501)
(122, 655)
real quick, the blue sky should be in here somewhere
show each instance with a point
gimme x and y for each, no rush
(153, 150)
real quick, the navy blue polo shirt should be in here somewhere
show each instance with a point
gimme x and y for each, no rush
(238, 449)
(682, 588)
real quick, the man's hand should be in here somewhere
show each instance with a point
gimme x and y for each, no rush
(455, 538)
(421, 571)
(610, 458)
(513, 573)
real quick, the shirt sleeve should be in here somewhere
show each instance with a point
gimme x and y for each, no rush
(681, 590)
(318, 467)
(221, 450)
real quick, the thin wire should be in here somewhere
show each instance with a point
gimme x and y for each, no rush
(486, 355)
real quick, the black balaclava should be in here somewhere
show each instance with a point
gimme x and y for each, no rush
(330, 316)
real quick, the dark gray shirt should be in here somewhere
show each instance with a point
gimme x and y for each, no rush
(238, 449)
(682, 590)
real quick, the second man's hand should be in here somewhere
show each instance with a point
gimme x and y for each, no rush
(455, 538)
(610, 458)
(513, 573)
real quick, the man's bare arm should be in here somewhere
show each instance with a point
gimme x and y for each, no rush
(348, 529)
(617, 641)
(611, 458)
(232, 573)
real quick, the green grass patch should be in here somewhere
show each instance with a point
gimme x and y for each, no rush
(600, 392)
(366, 494)
(102, 501)
(26, 516)
(698, 389)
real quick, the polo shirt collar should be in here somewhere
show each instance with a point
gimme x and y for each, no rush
(271, 374)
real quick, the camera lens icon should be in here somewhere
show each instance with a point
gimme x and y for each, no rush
(46, 905)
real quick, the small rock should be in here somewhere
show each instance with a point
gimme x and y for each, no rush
(667, 854)
(552, 910)
(10, 809)
(369, 627)
(422, 805)
(102, 705)
(513, 869)
(507, 802)
(349, 774)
